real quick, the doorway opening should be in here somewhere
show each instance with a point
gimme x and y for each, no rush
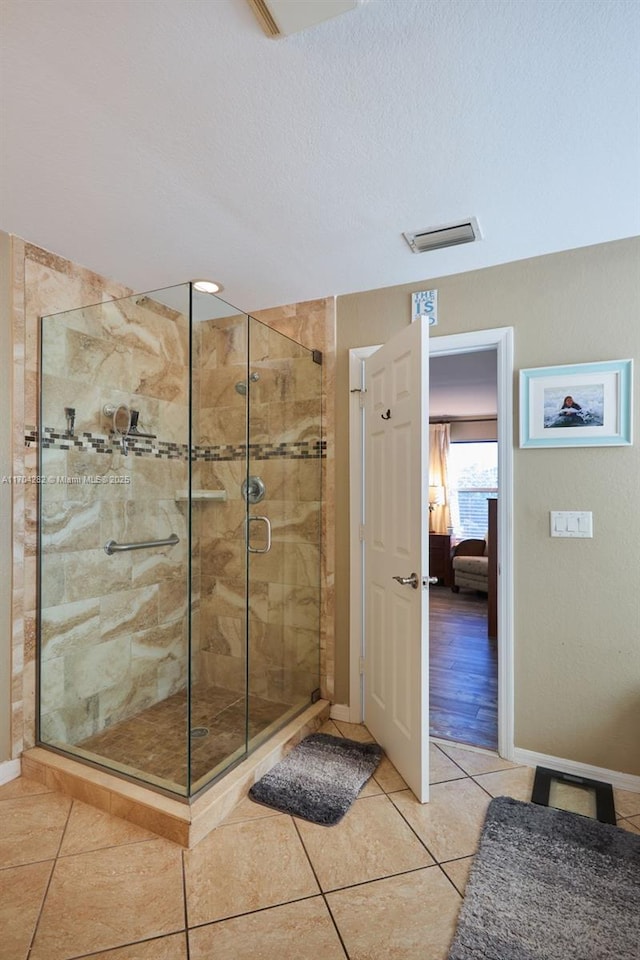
(499, 340)
(463, 465)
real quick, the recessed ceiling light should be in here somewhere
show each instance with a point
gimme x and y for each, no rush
(207, 286)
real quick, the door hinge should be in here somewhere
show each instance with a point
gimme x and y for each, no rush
(316, 356)
(361, 531)
(361, 665)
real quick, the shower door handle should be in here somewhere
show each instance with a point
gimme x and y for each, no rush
(267, 545)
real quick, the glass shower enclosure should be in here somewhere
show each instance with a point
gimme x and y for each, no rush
(179, 535)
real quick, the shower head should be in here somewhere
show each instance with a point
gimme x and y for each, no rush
(241, 385)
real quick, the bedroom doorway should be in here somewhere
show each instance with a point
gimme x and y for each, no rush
(463, 652)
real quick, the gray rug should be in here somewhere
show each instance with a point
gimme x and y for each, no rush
(550, 885)
(319, 779)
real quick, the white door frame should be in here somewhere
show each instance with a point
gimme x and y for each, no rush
(500, 339)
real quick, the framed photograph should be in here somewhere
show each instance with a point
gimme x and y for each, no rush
(583, 405)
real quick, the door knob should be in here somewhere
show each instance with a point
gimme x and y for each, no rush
(411, 581)
(430, 580)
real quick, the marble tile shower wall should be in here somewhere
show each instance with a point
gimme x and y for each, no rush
(44, 284)
(114, 632)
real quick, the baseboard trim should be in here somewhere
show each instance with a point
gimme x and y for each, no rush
(9, 770)
(623, 781)
(340, 711)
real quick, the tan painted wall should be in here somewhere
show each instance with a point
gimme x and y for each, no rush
(577, 602)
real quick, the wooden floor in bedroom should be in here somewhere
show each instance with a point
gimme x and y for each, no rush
(463, 669)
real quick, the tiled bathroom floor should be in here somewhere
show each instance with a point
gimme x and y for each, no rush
(385, 884)
(155, 739)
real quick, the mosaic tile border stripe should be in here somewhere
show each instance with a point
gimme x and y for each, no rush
(167, 450)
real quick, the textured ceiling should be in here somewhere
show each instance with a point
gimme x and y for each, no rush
(159, 141)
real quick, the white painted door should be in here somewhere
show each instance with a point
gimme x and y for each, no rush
(396, 681)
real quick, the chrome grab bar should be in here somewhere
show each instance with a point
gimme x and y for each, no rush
(267, 545)
(112, 547)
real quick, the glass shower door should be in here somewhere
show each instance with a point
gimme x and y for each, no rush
(219, 557)
(284, 523)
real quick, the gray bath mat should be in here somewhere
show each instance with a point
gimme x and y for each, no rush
(550, 885)
(319, 779)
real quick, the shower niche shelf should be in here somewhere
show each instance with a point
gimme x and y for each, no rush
(201, 495)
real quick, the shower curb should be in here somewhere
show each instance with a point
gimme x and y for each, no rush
(182, 822)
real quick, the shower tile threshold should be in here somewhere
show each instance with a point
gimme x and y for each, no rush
(184, 823)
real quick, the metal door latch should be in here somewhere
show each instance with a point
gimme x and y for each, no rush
(411, 581)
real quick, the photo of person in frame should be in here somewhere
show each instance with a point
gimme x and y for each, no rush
(583, 406)
(569, 407)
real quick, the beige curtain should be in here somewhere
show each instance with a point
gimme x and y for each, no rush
(439, 441)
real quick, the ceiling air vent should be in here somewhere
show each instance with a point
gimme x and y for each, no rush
(449, 236)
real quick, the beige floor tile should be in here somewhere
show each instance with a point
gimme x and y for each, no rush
(246, 866)
(22, 787)
(441, 767)
(458, 871)
(22, 891)
(388, 777)
(248, 810)
(474, 762)
(173, 947)
(32, 828)
(371, 841)
(110, 898)
(411, 917)
(354, 731)
(632, 825)
(627, 804)
(371, 789)
(451, 822)
(516, 783)
(329, 727)
(91, 829)
(290, 932)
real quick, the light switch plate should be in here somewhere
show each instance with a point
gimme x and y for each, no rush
(571, 523)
